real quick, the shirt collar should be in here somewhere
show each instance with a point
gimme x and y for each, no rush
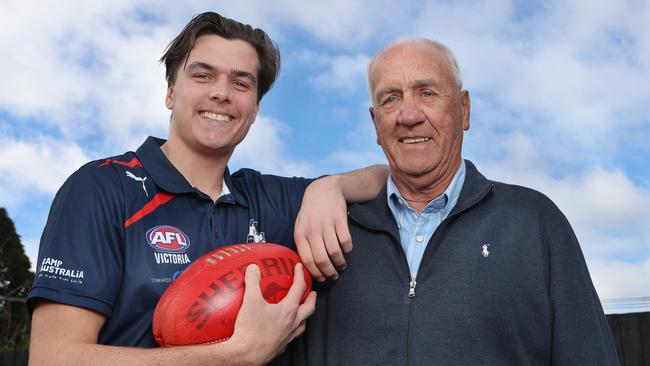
(230, 192)
(160, 169)
(167, 177)
(446, 201)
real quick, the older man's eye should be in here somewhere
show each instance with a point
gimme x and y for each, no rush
(389, 100)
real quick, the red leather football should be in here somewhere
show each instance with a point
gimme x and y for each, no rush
(201, 305)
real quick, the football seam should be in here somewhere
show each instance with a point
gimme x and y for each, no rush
(199, 344)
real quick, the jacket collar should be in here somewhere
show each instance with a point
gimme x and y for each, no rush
(376, 215)
(475, 189)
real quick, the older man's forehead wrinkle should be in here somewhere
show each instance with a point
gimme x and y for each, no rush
(422, 83)
(415, 84)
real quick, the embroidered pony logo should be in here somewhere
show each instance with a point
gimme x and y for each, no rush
(485, 251)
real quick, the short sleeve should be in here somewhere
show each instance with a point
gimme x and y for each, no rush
(81, 254)
(286, 193)
(283, 195)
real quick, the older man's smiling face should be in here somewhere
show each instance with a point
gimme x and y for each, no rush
(418, 112)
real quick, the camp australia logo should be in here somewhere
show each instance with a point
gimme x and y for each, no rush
(54, 268)
(169, 243)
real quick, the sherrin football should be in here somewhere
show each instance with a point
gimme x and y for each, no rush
(201, 305)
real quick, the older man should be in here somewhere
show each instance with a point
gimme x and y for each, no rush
(450, 268)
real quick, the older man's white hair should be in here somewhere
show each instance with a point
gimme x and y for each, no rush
(451, 58)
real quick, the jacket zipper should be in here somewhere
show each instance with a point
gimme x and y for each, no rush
(413, 283)
(411, 297)
(412, 288)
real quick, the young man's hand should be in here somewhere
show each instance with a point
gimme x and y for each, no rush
(321, 231)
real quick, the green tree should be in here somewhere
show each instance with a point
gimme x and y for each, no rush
(15, 281)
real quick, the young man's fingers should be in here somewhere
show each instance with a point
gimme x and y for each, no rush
(343, 233)
(307, 258)
(252, 291)
(298, 286)
(306, 309)
(333, 248)
(321, 256)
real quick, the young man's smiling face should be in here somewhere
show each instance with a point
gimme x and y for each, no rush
(418, 111)
(214, 98)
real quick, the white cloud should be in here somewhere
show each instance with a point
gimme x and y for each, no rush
(42, 165)
(344, 73)
(618, 279)
(264, 149)
(339, 23)
(88, 71)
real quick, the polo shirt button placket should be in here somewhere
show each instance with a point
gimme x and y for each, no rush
(214, 217)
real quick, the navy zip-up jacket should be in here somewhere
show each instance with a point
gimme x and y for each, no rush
(502, 282)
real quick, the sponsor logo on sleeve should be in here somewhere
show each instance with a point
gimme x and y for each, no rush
(169, 243)
(55, 269)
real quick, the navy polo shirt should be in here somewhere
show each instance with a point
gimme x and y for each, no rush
(121, 229)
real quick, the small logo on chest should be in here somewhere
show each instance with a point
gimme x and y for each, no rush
(169, 243)
(138, 179)
(485, 251)
(169, 239)
(253, 235)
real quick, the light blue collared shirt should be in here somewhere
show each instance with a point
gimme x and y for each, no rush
(415, 229)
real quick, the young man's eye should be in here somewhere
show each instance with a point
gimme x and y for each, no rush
(240, 85)
(201, 76)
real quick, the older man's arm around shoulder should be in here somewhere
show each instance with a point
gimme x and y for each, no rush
(67, 335)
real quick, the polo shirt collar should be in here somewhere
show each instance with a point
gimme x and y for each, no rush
(234, 195)
(169, 179)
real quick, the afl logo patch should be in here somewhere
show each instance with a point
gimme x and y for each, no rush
(168, 239)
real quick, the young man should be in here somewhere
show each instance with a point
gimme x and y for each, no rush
(121, 229)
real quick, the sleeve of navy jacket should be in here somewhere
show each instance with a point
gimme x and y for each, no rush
(581, 334)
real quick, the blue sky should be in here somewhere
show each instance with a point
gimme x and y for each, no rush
(559, 100)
